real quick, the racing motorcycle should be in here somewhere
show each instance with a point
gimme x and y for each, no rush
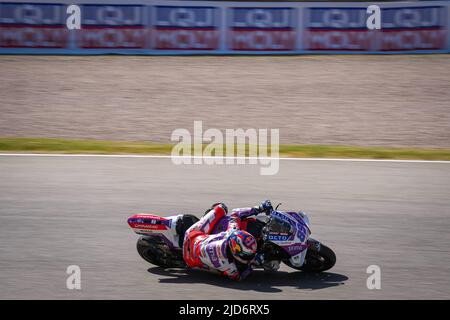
(282, 236)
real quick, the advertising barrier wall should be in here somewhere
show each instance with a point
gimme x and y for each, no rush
(201, 27)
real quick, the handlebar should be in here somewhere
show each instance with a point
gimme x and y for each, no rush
(268, 212)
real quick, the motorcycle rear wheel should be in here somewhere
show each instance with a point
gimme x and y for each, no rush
(157, 253)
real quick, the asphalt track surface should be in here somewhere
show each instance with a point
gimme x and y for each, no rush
(58, 211)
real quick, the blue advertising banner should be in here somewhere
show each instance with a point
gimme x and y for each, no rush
(262, 29)
(112, 26)
(219, 27)
(415, 28)
(32, 25)
(341, 28)
(186, 28)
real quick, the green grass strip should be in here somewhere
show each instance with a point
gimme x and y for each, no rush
(47, 145)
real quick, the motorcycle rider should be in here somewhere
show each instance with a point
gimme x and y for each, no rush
(230, 252)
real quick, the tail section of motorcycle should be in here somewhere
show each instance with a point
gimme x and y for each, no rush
(161, 240)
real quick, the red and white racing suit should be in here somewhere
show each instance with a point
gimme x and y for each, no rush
(204, 250)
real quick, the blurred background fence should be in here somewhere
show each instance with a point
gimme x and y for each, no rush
(221, 27)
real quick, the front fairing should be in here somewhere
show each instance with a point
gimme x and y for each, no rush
(288, 230)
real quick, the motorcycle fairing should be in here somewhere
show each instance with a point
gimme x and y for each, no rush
(290, 231)
(156, 226)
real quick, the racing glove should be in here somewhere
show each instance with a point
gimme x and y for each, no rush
(265, 206)
(259, 259)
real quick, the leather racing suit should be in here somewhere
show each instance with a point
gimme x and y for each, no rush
(207, 251)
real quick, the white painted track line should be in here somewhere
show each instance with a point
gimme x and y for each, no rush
(224, 158)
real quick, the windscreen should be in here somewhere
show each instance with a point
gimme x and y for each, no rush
(280, 226)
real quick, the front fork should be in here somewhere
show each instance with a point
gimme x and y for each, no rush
(299, 259)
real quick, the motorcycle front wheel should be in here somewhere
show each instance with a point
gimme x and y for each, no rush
(317, 259)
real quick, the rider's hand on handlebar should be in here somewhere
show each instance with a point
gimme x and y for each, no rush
(259, 259)
(266, 206)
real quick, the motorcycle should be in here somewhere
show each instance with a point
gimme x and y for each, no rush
(282, 236)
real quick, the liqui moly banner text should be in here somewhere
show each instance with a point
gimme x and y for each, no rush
(112, 26)
(214, 27)
(261, 29)
(186, 28)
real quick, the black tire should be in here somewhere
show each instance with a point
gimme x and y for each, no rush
(317, 260)
(157, 253)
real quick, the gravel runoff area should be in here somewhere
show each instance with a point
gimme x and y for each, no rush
(401, 100)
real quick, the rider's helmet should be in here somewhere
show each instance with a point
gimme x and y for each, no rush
(242, 246)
